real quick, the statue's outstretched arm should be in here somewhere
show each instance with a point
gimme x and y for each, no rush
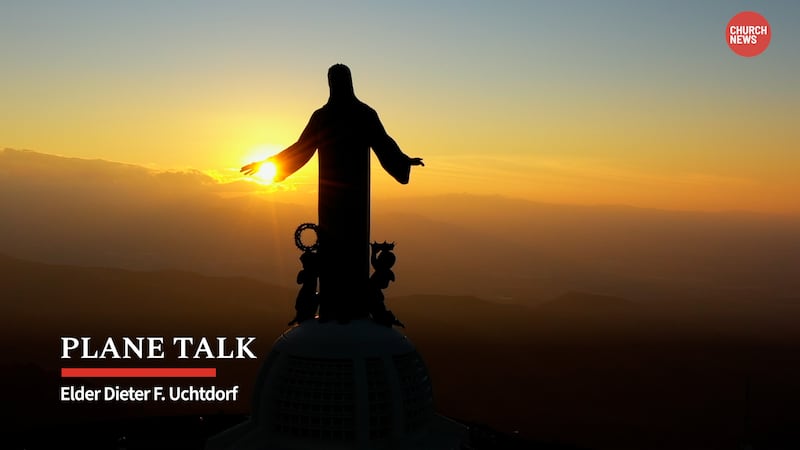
(392, 159)
(291, 159)
(294, 156)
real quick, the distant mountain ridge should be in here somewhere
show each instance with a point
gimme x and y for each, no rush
(100, 213)
(68, 299)
(579, 302)
(62, 298)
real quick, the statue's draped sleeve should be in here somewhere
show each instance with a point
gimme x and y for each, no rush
(297, 155)
(392, 159)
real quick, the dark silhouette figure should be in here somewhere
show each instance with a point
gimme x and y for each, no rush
(307, 302)
(382, 260)
(342, 132)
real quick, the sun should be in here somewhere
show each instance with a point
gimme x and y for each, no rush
(266, 173)
(266, 169)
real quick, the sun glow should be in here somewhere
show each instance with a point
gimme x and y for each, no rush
(266, 170)
(266, 173)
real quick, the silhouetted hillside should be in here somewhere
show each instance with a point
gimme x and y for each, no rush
(586, 304)
(583, 369)
(57, 292)
(41, 302)
(630, 252)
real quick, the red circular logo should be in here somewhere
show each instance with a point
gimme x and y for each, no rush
(748, 34)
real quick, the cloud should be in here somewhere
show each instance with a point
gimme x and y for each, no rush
(102, 178)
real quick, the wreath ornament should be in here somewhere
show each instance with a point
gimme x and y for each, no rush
(298, 237)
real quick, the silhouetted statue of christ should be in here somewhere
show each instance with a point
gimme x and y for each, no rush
(343, 131)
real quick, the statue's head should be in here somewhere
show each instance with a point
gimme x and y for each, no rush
(341, 82)
(385, 260)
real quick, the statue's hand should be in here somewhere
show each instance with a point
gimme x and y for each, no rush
(251, 168)
(416, 162)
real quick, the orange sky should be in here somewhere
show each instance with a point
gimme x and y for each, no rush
(530, 101)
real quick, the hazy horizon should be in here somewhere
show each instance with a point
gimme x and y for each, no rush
(304, 193)
(100, 213)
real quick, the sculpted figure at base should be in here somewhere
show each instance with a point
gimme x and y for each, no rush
(307, 301)
(382, 261)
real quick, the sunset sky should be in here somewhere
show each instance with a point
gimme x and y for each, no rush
(626, 102)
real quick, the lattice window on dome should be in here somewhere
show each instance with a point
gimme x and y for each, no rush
(380, 400)
(316, 399)
(415, 389)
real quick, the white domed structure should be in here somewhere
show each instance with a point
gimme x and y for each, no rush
(354, 386)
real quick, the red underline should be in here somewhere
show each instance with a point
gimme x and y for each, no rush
(138, 372)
